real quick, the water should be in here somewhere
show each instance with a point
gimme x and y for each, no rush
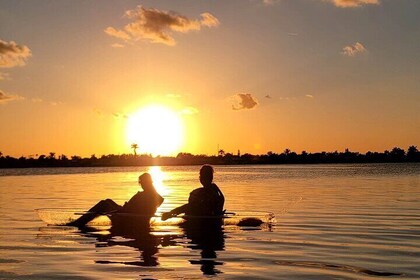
(333, 222)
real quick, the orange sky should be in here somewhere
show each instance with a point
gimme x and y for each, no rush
(256, 76)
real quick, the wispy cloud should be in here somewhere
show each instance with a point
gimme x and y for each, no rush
(120, 116)
(157, 26)
(337, 3)
(12, 54)
(244, 101)
(353, 3)
(103, 114)
(209, 20)
(117, 45)
(309, 96)
(353, 50)
(189, 111)
(98, 112)
(40, 100)
(4, 76)
(111, 31)
(37, 100)
(4, 97)
(269, 2)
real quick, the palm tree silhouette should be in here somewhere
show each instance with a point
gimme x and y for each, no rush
(134, 146)
(221, 153)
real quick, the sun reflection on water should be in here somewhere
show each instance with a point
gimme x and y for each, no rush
(158, 180)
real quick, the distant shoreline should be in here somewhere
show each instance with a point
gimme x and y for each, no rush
(396, 155)
(186, 165)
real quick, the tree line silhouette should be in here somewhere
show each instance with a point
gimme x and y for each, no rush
(286, 157)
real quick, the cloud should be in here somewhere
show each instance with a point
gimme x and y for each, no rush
(120, 116)
(111, 31)
(354, 49)
(157, 26)
(209, 20)
(244, 101)
(266, 2)
(117, 45)
(104, 114)
(268, 96)
(12, 54)
(269, 2)
(309, 96)
(4, 97)
(189, 111)
(37, 100)
(98, 112)
(40, 100)
(353, 3)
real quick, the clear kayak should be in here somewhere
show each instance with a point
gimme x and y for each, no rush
(64, 216)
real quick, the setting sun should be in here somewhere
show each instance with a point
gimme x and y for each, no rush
(156, 130)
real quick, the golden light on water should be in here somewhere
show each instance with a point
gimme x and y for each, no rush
(156, 129)
(159, 177)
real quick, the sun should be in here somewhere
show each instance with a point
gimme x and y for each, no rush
(156, 129)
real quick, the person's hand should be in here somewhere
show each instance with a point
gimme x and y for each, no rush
(166, 216)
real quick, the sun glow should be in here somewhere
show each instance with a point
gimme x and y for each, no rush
(158, 180)
(156, 130)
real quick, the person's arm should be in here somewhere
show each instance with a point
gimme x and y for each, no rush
(175, 211)
(219, 192)
(181, 209)
(221, 202)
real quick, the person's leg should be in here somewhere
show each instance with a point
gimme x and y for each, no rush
(102, 207)
(105, 206)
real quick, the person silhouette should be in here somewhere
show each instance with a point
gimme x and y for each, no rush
(205, 201)
(142, 205)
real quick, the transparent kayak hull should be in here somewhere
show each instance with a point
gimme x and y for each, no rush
(64, 216)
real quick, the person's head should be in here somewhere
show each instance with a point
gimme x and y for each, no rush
(146, 182)
(206, 175)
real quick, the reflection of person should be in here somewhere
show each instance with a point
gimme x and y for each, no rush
(205, 201)
(142, 204)
(205, 239)
(208, 238)
(138, 237)
(143, 240)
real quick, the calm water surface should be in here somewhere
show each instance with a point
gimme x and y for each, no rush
(332, 222)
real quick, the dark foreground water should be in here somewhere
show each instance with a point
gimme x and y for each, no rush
(333, 222)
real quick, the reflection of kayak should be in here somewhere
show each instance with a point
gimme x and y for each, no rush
(63, 216)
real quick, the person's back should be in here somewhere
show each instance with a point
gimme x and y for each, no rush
(134, 216)
(143, 203)
(205, 201)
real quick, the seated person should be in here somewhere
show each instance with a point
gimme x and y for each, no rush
(142, 203)
(205, 201)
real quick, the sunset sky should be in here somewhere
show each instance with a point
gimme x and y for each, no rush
(252, 75)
